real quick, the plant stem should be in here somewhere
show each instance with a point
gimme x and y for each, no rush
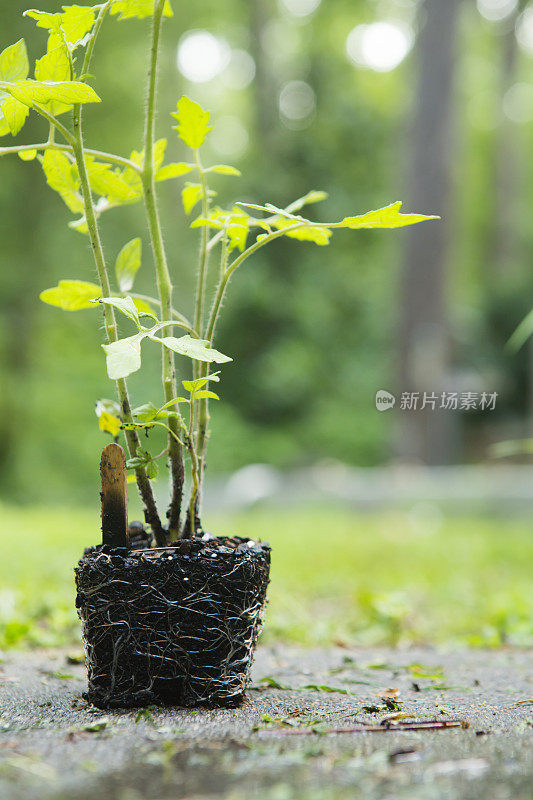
(225, 275)
(132, 438)
(204, 253)
(195, 471)
(164, 284)
(51, 145)
(179, 319)
(203, 410)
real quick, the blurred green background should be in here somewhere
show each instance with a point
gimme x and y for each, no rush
(373, 101)
(303, 94)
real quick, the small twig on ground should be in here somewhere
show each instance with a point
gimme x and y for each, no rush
(422, 725)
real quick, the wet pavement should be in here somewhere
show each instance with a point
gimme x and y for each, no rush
(285, 742)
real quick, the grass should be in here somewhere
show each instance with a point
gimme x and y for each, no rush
(337, 576)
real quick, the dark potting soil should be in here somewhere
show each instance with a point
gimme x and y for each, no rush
(172, 626)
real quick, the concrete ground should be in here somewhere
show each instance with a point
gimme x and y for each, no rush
(52, 745)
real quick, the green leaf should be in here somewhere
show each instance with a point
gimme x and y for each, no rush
(152, 471)
(198, 349)
(205, 393)
(124, 356)
(72, 24)
(128, 9)
(387, 217)
(314, 196)
(14, 114)
(62, 176)
(309, 233)
(238, 229)
(159, 153)
(143, 307)
(190, 195)
(108, 423)
(193, 122)
(32, 92)
(521, 334)
(54, 66)
(224, 169)
(199, 383)
(145, 413)
(175, 170)
(14, 65)
(110, 183)
(127, 263)
(27, 155)
(71, 295)
(124, 305)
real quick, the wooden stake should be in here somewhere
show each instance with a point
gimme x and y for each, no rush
(114, 497)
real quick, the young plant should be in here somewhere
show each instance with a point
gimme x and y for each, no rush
(91, 183)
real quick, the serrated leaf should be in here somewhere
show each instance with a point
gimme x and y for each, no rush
(128, 9)
(110, 183)
(71, 295)
(190, 195)
(193, 122)
(125, 305)
(124, 356)
(175, 170)
(14, 63)
(127, 263)
(238, 229)
(32, 92)
(387, 217)
(198, 349)
(54, 66)
(27, 155)
(61, 176)
(224, 169)
(309, 233)
(71, 25)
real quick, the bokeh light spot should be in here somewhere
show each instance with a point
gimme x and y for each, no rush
(202, 56)
(380, 46)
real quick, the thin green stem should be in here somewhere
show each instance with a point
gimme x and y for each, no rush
(164, 284)
(195, 471)
(179, 320)
(65, 133)
(204, 252)
(132, 438)
(51, 145)
(203, 410)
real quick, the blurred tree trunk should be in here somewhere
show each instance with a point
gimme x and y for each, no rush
(428, 435)
(502, 239)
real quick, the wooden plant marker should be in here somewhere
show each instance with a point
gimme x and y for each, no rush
(114, 497)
